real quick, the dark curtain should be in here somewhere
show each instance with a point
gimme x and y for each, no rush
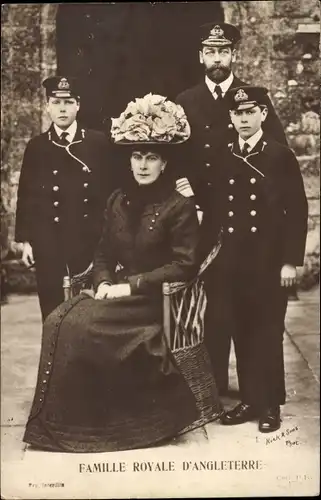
(122, 51)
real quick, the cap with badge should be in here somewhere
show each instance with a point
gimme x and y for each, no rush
(61, 86)
(219, 34)
(246, 97)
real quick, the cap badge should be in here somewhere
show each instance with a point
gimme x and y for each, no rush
(63, 84)
(217, 32)
(241, 96)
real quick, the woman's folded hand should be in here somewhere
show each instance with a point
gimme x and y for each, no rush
(102, 291)
(121, 290)
(107, 291)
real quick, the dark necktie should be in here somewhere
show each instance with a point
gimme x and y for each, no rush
(63, 141)
(245, 150)
(218, 91)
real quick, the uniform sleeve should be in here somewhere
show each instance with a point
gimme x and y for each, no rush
(189, 161)
(183, 240)
(273, 126)
(105, 261)
(296, 212)
(26, 197)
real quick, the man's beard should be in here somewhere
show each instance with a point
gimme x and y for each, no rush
(218, 73)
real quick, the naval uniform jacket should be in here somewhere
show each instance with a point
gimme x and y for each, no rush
(260, 205)
(211, 131)
(61, 197)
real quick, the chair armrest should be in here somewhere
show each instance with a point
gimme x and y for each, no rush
(170, 288)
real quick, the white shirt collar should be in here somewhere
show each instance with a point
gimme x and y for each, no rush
(251, 141)
(225, 85)
(71, 131)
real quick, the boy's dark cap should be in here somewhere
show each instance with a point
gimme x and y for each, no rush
(246, 97)
(61, 86)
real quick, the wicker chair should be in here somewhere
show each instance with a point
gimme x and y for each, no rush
(184, 306)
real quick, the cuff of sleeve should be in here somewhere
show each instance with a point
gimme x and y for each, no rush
(98, 282)
(135, 283)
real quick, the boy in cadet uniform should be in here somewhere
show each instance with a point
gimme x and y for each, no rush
(62, 191)
(206, 108)
(260, 205)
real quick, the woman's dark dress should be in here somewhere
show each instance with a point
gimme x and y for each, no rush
(107, 379)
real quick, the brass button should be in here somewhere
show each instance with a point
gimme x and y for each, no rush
(230, 125)
(253, 229)
(56, 219)
(157, 213)
(231, 197)
(253, 212)
(207, 146)
(207, 127)
(209, 184)
(85, 216)
(84, 169)
(231, 181)
(153, 220)
(55, 172)
(252, 180)
(86, 200)
(49, 363)
(207, 165)
(86, 184)
(45, 381)
(231, 229)
(150, 228)
(253, 197)
(230, 214)
(47, 372)
(56, 203)
(56, 188)
(40, 399)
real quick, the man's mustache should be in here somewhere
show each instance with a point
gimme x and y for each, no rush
(217, 67)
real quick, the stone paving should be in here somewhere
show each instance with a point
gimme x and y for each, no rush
(285, 463)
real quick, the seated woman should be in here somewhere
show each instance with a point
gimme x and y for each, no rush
(107, 379)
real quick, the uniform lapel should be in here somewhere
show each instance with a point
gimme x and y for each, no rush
(206, 102)
(209, 108)
(80, 134)
(52, 134)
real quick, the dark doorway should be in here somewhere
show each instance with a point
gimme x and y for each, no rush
(124, 50)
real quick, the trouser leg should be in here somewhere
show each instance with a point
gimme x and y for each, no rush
(218, 327)
(50, 292)
(258, 343)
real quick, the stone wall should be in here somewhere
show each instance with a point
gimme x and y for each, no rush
(27, 57)
(279, 49)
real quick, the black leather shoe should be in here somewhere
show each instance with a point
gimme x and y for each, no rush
(239, 415)
(270, 420)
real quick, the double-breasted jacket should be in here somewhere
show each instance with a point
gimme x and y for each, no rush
(61, 194)
(260, 205)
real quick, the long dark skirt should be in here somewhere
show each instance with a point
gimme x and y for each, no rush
(107, 380)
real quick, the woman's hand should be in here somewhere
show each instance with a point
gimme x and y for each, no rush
(102, 291)
(106, 291)
(288, 275)
(121, 290)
